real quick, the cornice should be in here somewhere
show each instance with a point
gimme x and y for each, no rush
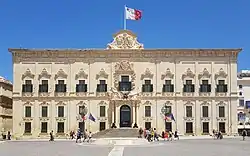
(20, 55)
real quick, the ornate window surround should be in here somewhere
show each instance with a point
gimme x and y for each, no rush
(188, 75)
(124, 68)
(221, 75)
(221, 103)
(189, 103)
(61, 74)
(147, 75)
(102, 74)
(61, 103)
(205, 103)
(28, 103)
(81, 75)
(44, 74)
(28, 75)
(167, 75)
(205, 75)
(44, 103)
(102, 103)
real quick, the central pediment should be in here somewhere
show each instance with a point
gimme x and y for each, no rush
(125, 39)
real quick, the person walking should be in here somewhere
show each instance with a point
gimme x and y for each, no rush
(90, 136)
(51, 136)
(244, 134)
(78, 135)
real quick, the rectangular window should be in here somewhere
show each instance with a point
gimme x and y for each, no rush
(28, 82)
(221, 82)
(45, 82)
(205, 82)
(44, 127)
(81, 81)
(241, 103)
(221, 111)
(60, 111)
(205, 127)
(102, 81)
(27, 127)
(247, 104)
(81, 110)
(102, 111)
(147, 111)
(148, 125)
(188, 82)
(44, 111)
(60, 127)
(124, 78)
(204, 111)
(189, 111)
(189, 127)
(60, 81)
(222, 127)
(147, 82)
(168, 82)
(27, 111)
(102, 126)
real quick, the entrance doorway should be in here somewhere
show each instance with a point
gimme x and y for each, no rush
(125, 116)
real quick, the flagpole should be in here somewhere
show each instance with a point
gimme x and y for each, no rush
(124, 22)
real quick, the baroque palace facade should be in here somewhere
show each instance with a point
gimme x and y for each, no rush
(124, 85)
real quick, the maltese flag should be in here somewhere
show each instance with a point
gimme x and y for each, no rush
(133, 14)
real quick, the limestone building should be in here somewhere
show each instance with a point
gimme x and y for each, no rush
(124, 85)
(5, 105)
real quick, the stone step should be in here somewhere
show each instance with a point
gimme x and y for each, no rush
(117, 133)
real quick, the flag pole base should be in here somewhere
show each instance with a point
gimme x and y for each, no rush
(113, 125)
(135, 125)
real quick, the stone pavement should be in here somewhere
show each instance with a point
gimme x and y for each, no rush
(187, 147)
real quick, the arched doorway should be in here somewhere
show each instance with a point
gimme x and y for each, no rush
(125, 116)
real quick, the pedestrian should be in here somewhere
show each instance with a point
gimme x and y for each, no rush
(176, 136)
(78, 135)
(9, 135)
(244, 134)
(51, 136)
(90, 136)
(163, 135)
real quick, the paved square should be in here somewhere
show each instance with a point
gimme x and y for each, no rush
(225, 147)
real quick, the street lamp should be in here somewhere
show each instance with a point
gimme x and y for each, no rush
(165, 110)
(82, 112)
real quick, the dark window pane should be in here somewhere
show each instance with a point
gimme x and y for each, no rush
(44, 111)
(147, 111)
(148, 82)
(44, 127)
(188, 82)
(189, 127)
(60, 111)
(102, 81)
(148, 125)
(168, 82)
(27, 127)
(205, 127)
(241, 103)
(60, 127)
(102, 126)
(60, 81)
(222, 127)
(125, 78)
(102, 111)
(221, 82)
(189, 111)
(81, 81)
(28, 82)
(221, 111)
(28, 111)
(204, 81)
(44, 81)
(204, 111)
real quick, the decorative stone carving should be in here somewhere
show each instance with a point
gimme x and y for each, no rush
(60, 119)
(28, 74)
(221, 119)
(44, 119)
(147, 74)
(188, 73)
(61, 103)
(147, 103)
(81, 74)
(204, 74)
(44, 103)
(27, 94)
(221, 103)
(102, 103)
(205, 119)
(81, 93)
(126, 68)
(146, 94)
(44, 74)
(188, 94)
(125, 40)
(205, 103)
(60, 94)
(27, 119)
(102, 74)
(167, 93)
(168, 103)
(167, 74)
(61, 74)
(43, 94)
(28, 103)
(102, 119)
(81, 103)
(204, 94)
(221, 74)
(189, 103)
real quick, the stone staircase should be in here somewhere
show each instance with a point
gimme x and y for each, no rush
(117, 133)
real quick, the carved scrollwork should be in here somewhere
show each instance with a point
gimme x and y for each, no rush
(102, 74)
(205, 119)
(81, 103)
(28, 74)
(102, 103)
(44, 119)
(28, 103)
(27, 119)
(147, 74)
(189, 103)
(147, 103)
(43, 94)
(60, 119)
(27, 94)
(44, 103)
(204, 74)
(188, 74)
(81, 74)
(125, 40)
(168, 103)
(221, 74)
(189, 118)
(221, 103)
(61, 74)
(102, 119)
(147, 118)
(205, 103)
(167, 74)
(44, 74)
(221, 119)
(124, 67)
(61, 103)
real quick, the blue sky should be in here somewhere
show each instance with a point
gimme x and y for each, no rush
(91, 23)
